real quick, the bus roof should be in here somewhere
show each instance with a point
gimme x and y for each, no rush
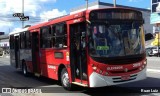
(19, 31)
(58, 20)
(72, 16)
(88, 11)
(37, 25)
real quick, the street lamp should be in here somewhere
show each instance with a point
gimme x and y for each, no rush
(22, 12)
(114, 1)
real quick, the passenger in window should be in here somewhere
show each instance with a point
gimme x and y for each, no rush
(53, 42)
(83, 43)
(83, 57)
(59, 39)
(100, 39)
(114, 42)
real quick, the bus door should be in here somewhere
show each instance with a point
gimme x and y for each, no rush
(78, 52)
(17, 52)
(35, 52)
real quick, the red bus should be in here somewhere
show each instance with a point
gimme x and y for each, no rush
(93, 48)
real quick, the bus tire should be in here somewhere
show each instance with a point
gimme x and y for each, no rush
(65, 79)
(24, 69)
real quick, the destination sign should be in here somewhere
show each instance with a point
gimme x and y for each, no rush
(115, 14)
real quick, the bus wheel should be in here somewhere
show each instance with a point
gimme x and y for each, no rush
(24, 69)
(65, 79)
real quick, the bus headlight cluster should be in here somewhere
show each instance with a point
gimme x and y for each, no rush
(140, 68)
(106, 73)
(94, 68)
(144, 64)
(98, 70)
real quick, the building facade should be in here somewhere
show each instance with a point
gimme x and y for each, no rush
(4, 41)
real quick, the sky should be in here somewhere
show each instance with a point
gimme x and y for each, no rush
(42, 10)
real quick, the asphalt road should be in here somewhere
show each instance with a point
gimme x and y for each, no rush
(10, 78)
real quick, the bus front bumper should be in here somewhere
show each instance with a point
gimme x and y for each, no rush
(98, 80)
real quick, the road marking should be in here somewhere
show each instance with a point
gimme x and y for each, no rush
(153, 70)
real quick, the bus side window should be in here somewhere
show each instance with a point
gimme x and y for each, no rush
(60, 36)
(46, 37)
(28, 40)
(22, 40)
(53, 36)
(11, 40)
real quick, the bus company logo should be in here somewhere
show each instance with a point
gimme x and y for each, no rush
(115, 68)
(6, 90)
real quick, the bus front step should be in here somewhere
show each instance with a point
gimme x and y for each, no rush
(80, 84)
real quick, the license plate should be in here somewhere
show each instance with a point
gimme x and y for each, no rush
(125, 77)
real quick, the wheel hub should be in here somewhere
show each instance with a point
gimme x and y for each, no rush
(65, 79)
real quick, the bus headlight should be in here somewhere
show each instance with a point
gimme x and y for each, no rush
(100, 71)
(145, 62)
(94, 68)
(106, 73)
(142, 66)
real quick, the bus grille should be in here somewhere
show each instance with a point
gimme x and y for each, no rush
(114, 72)
(118, 79)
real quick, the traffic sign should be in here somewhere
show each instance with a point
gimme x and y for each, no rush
(18, 15)
(24, 18)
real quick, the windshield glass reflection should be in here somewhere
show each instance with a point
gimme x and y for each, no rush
(110, 40)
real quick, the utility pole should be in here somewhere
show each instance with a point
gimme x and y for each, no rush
(158, 44)
(86, 4)
(22, 13)
(21, 16)
(9, 30)
(114, 1)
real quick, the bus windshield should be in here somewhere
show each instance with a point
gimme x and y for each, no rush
(116, 39)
